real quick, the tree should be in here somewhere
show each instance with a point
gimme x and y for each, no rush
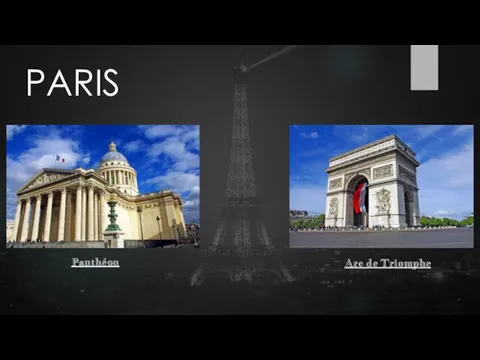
(321, 219)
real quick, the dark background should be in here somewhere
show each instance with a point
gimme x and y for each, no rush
(192, 84)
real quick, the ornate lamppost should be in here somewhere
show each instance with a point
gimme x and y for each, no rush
(159, 231)
(139, 210)
(113, 226)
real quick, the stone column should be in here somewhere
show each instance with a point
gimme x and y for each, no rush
(48, 218)
(68, 218)
(18, 217)
(101, 204)
(78, 213)
(90, 212)
(26, 220)
(84, 214)
(95, 221)
(36, 218)
(61, 221)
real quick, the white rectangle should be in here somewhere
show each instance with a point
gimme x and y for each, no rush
(424, 68)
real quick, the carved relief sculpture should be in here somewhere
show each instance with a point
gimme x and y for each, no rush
(383, 172)
(335, 184)
(364, 153)
(348, 177)
(333, 207)
(365, 172)
(349, 214)
(383, 201)
(45, 179)
(405, 174)
(363, 164)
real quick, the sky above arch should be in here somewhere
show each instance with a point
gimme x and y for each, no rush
(445, 152)
(164, 156)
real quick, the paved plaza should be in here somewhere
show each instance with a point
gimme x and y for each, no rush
(461, 238)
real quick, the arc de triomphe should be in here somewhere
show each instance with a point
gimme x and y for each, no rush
(389, 167)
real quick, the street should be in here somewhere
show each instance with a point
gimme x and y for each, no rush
(461, 238)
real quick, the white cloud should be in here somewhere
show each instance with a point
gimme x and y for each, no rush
(86, 160)
(446, 213)
(176, 181)
(311, 135)
(191, 205)
(358, 134)
(41, 155)
(446, 183)
(133, 146)
(182, 183)
(462, 129)
(426, 131)
(12, 130)
(176, 149)
(161, 131)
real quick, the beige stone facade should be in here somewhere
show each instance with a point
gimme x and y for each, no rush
(71, 205)
(10, 224)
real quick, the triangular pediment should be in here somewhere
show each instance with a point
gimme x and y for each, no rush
(46, 177)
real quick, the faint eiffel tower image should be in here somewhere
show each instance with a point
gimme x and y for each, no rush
(241, 247)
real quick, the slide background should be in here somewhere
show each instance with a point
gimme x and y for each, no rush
(192, 84)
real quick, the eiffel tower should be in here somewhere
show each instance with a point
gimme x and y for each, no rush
(241, 248)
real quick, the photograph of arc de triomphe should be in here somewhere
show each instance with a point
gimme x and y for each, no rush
(381, 186)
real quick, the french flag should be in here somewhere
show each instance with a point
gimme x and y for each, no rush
(359, 199)
(60, 159)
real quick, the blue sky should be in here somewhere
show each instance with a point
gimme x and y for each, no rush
(445, 152)
(164, 156)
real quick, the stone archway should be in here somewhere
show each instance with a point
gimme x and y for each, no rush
(389, 166)
(351, 218)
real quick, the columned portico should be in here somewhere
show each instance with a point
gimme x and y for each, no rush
(58, 205)
(387, 170)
